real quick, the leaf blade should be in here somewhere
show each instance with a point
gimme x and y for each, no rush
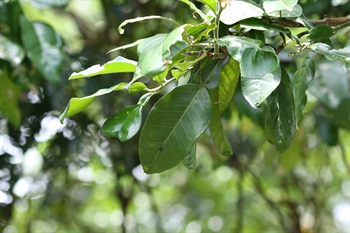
(173, 126)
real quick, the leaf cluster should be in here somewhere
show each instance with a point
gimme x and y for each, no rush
(202, 66)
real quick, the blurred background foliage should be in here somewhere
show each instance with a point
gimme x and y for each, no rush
(69, 178)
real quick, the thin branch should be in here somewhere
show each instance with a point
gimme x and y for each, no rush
(323, 22)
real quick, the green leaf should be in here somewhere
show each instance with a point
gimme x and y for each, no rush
(235, 11)
(229, 77)
(126, 46)
(173, 126)
(125, 124)
(137, 87)
(331, 83)
(9, 98)
(118, 65)
(209, 74)
(190, 160)
(77, 105)
(342, 55)
(43, 48)
(10, 51)
(260, 69)
(171, 40)
(280, 122)
(300, 82)
(296, 12)
(139, 19)
(150, 56)
(51, 3)
(198, 11)
(216, 128)
(279, 5)
(211, 4)
(321, 32)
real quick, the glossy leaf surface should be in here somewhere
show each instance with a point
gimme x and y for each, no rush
(173, 126)
(125, 124)
(10, 51)
(279, 5)
(238, 10)
(259, 67)
(42, 46)
(150, 56)
(333, 54)
(280, 122)
(137, 87)
(77, 105)
(301, 80)
(118, 65)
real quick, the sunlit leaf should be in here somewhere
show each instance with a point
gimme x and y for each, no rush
(260, 70)
(173, 126)
(77, 105)
(150, 56)
(118, 65)
(125, 124)
(296, 12)
(301, 80)
(198, 11)
(43, 48)
(280, 124)
(139, 19)
(137, 87)
(238, 10)
(279, 5)
(211, 4)
(51, 3)
(171, 40)
(10, 51)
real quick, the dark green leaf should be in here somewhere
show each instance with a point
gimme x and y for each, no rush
(280, 122)
(173, 126)
(260, 69)
(125, 124)
(321, 32)
(10, 51)
(216, 128)
(209, 74)
(77, 105)
(229, 77)
(9, 97)
(43, 48)
(118, 65)
(190, 160)
(301, 80)
(173, 41)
